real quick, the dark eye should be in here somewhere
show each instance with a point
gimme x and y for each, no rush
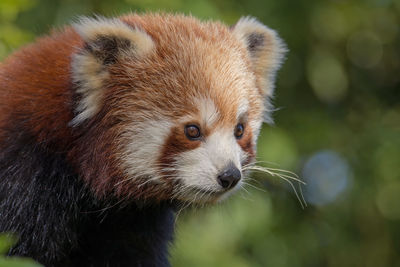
(192, 132)
(239, 130)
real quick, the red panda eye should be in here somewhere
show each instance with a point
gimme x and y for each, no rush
(239, 130)
(192, 132)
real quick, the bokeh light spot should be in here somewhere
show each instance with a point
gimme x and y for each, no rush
(364, 49)
(386, 26)
(327, 175)
(329, 24)
(327, 76)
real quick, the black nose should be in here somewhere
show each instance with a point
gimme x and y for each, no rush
(229, 177)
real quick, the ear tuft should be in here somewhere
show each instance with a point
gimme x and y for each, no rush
(265, 48)
(107, 41)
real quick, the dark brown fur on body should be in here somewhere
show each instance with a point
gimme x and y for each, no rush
(94, 157)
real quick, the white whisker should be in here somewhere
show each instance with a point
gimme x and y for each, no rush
(255, 187)
(284, 175)
(271, 172)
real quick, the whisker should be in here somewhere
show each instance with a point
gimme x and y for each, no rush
(302, 195)
(245, 196)
(268, 162)
(285, 177)
(266, 170)
(244, 189)
(245, 179)
(255, 187)
(284, 171)
(295, 191)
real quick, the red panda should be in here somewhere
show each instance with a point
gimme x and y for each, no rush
(109, 124)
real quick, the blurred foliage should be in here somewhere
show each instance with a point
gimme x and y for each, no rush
(337, 126)
(6, 241)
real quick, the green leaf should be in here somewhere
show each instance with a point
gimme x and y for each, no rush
(6, 241)
(18, 262)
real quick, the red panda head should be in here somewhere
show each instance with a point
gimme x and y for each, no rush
(178, 102)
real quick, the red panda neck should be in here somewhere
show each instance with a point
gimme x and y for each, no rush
(37, 90)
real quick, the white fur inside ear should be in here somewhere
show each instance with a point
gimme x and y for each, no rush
(265, 48)
(89, 76)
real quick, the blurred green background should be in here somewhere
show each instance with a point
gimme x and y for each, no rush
(337, 126)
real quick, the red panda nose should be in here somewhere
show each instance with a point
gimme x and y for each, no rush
(229, 177)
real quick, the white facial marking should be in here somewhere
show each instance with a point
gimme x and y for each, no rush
(208, 110)
(199, 168)
(243, 108)
(140, 155)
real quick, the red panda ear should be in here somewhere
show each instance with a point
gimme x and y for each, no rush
(107, 41)
(265, 48)
(110, 39)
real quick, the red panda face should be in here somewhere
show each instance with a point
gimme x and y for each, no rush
(188, 99)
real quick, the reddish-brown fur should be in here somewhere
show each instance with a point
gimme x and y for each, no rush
(92, 132)
(247, 144)
(37, 89)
